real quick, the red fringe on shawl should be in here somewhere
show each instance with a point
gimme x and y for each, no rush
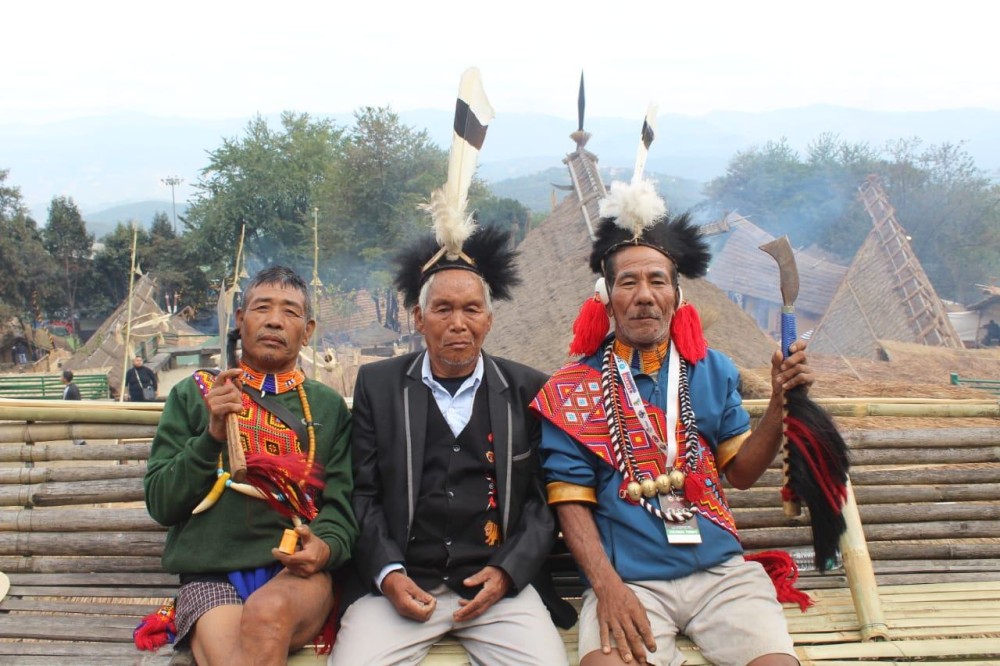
(783, 571)
(278, 475)
(328, 634)
(590, 327)
(686, 333)
(156, 629)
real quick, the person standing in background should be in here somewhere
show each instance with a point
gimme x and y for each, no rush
(71, 392)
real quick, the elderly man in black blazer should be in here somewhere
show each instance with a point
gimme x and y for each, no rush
(454, 524)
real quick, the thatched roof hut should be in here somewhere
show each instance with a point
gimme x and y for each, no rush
(749, 276)
(885, 295)
(106, 347)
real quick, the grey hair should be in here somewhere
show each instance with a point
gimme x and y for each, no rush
(426, 288)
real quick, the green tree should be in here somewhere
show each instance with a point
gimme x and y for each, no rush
(371, 204)
(507, 214)
(28, 270)
(68, 243)
(950, 208)
(109, 277)
(265, 180)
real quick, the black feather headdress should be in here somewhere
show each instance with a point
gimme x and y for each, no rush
(487, 253)
(677, 237)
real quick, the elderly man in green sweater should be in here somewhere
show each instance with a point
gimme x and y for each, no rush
(241, 599)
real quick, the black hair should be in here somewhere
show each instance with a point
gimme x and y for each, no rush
(68, 375)
(281, 276)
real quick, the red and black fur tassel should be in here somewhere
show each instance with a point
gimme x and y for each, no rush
(817, 460)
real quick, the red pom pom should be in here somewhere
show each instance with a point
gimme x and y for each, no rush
(784, 573)
(156, 629)
(590, 328)
(686, 333)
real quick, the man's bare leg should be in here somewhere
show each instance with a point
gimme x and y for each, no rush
(280, 617)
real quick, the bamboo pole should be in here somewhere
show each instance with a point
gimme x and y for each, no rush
(127, 349)
(11, 433)
(860, 574)
(237, 459)
(75, 414)
(50, 452)
(890, 407)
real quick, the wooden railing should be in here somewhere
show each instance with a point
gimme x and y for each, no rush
(50, 387)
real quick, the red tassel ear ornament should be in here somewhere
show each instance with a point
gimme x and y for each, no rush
(686, 331)
(156, 629)
(592, 323)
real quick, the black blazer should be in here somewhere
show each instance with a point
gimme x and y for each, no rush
(389, 427)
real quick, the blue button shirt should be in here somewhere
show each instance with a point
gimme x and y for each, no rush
(635, 541)
(457, 409)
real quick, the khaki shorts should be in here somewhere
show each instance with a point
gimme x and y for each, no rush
(730, 611)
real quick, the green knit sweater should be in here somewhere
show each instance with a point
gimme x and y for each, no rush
(239, 531)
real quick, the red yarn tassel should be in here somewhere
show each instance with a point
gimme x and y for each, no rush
(328, 633)
(686, 333)
(156, 629)
(783, 572)
(590, 328)
(278, 475)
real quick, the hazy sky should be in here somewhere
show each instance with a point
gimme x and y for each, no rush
(210, 59)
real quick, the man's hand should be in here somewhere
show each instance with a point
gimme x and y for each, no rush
(620, 615)
(787, 373)
(409, 599)
(223, 399)
(311, 558)
(495, 582)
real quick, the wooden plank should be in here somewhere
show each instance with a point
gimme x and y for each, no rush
(74, 579)
(926, 437)
(69, 649)
(30, 604)
(77, 520)
(925, 456)
(49, 452)
(96, 591)
(28, 475)
(73, 493)
(92, 543)
(764, 497)
(976, 647)
(50, 564)
(879, 513)
(50, 627)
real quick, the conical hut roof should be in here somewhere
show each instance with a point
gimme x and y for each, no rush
(885, 296)
(536, 326)
(106, 347)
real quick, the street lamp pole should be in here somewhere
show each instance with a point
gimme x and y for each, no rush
(173, 181)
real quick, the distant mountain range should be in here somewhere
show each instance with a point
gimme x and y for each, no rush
(106, 162)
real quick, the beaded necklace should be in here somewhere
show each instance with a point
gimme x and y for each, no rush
(271, 382)
(650, 360)
(640, 486)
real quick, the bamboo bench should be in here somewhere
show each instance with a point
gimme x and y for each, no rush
(83, 557)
